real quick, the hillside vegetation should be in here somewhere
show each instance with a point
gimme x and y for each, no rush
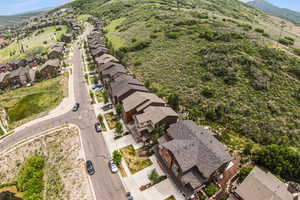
(11, 20)
(215, 57)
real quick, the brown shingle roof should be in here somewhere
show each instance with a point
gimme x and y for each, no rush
(138, 98)
(195, 146)
(155, 114)
(262, 185)
(105, 58)
(120, 88)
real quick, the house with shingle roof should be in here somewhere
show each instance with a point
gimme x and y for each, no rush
(4, 80)
(262, 185)
(137, 102)
(21, 76)
(105, 58)
(191, 156)
(50, 68)
(119, 90)
(153, 116)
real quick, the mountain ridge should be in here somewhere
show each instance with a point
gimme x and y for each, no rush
(269, 8)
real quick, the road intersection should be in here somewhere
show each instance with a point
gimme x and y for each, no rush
(106, 186)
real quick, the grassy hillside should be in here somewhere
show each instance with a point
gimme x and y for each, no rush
(11, 20)
(34, 43)
(218, 59)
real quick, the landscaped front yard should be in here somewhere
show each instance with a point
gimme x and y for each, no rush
(99, 96)
(170, 198)
(134, 162)
(111, 120)
(24, 104)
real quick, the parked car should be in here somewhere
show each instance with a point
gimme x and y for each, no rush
(113, 166)
(129, 197)
(94, 87)
(107, 107)
(89, 167)
(75, 107)
(98, 127)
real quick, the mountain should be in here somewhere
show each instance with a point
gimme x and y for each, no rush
(276, 11)
(10, 20)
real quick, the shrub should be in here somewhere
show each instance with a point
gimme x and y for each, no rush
(153, 176)
(139, 45)
(208, 92)
(210, 190)
(244, 172)
(105, 96)
(259, 30)
(117, 157)
(266, 35)
(297, 52)
(30, 178)
(286, 41)
(172, 35)
(119, 128)
(280, 160)
(174, 101)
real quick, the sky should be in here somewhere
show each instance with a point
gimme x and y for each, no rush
(8, 7)
(290, 4)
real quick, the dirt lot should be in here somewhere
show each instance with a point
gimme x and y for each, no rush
(64, 174)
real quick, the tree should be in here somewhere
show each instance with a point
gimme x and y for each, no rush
(174, 101)
(117, 157)
(244, 172)
(105, 96)
(153, 176)
(119, 109)
(119, 128)
(280, 160)
(157, 132)
(248, 148)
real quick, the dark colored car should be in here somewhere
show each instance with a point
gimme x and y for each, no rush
(107, 107)
(98, 127)
(75, 107)
(89, 167)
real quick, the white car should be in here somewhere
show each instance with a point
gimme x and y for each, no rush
(113, 166)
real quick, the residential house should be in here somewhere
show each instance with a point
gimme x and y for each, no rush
(50, 68)
(119, 90)
(66, 38)
(3, 68)
(56, 53)
(16, 64)
(21, 76)
(191, 156)
(110, 73)
(262, 185)
(4, 80)
(137, 102)
(153, 116)
(105, 58)
(3, 43)
(99, 51)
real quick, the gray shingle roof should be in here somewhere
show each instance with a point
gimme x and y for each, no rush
(52, 63)
(262, 185)
(195, 146)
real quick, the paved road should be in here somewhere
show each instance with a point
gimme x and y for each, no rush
(107, 186)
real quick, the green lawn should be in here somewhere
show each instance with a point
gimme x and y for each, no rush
(33, 41)
(25, 104)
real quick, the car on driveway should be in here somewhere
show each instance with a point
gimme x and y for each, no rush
(75, 107)
(113, 166)
(98, 127)
(89, 167)
(107, 107)
(96, 87)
